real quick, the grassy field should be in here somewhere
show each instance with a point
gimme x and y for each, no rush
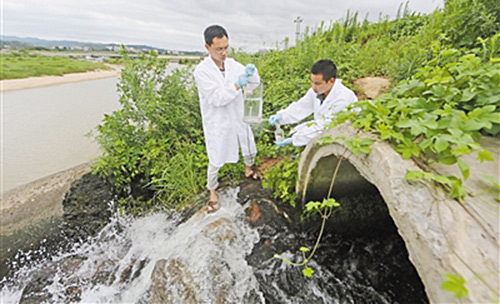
(23, 65)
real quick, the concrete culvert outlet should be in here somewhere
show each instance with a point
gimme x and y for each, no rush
(442, 236)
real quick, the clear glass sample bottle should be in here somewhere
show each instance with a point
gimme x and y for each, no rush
(279, 134)
(252, 95)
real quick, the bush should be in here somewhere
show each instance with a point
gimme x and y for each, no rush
(155, 141)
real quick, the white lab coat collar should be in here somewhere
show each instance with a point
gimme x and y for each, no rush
(227, 67)
(331, 95)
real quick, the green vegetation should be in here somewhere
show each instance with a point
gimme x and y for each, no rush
(456, 285)
(23, 64)
(439, 114)
(445, 69)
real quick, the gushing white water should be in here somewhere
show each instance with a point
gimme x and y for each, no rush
(117, 266)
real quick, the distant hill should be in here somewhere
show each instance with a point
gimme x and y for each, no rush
(24, 42)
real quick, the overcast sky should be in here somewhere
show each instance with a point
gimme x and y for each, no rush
(178, 25)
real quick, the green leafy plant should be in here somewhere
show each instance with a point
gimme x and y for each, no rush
(456, 285)
(324, 209)
(355, 144)
(282, 179)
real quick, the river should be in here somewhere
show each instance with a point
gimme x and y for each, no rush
(44, 129)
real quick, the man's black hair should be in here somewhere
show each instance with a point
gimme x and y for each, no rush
(214, 31)
(326, 68)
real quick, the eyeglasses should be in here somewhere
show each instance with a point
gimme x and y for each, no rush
(221, 50)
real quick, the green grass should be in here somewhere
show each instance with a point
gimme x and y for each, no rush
(22, 65)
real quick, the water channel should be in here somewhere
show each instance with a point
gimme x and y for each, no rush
(216, 258)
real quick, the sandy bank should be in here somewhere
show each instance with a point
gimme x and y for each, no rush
(44, 81)
(38, 200)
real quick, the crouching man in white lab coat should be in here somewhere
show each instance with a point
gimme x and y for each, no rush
(220, 81)
(326, 96)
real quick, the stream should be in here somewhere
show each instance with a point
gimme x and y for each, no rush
(224, 257)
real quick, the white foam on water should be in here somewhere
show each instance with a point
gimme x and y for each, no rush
(126, 243)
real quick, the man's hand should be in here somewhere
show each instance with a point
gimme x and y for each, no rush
(242, 80)
(274, 119)
(284, 142)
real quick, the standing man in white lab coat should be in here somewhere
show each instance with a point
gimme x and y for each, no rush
(326, 96)
(220, 81)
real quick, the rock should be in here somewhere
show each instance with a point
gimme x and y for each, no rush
(270, 219)
(132, 271)
(36, 290)
(254, 212)
(371, 87)
(171, 281)
(87, 207)
(105, 273)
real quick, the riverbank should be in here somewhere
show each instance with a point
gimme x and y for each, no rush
(45, 81)
(38, 200)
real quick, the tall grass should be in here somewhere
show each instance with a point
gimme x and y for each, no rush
(22, 65)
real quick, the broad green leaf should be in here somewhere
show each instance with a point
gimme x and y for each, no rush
(308, 272)
(385, 131)
(365, 149)
(457, 189)
(304, 249)
(456, 285)
(493, 117)
(312, 206)
(331, 203)
(408, 149)
(326, 140)
(443, 179)
(493, 180)
(461, 150)
(413, 175)
(415, 125)
(447, 159)
(468, 95)
(441, 144)
(484, 155)
(464, 168)
(426, 144)
(474, 125)
(367, 141)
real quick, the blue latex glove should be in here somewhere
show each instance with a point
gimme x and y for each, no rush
(242, 80)
(250, 69)
(274, 119)
(284, 142)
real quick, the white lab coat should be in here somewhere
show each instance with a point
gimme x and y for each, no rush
(338, 99)
(222, 111)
